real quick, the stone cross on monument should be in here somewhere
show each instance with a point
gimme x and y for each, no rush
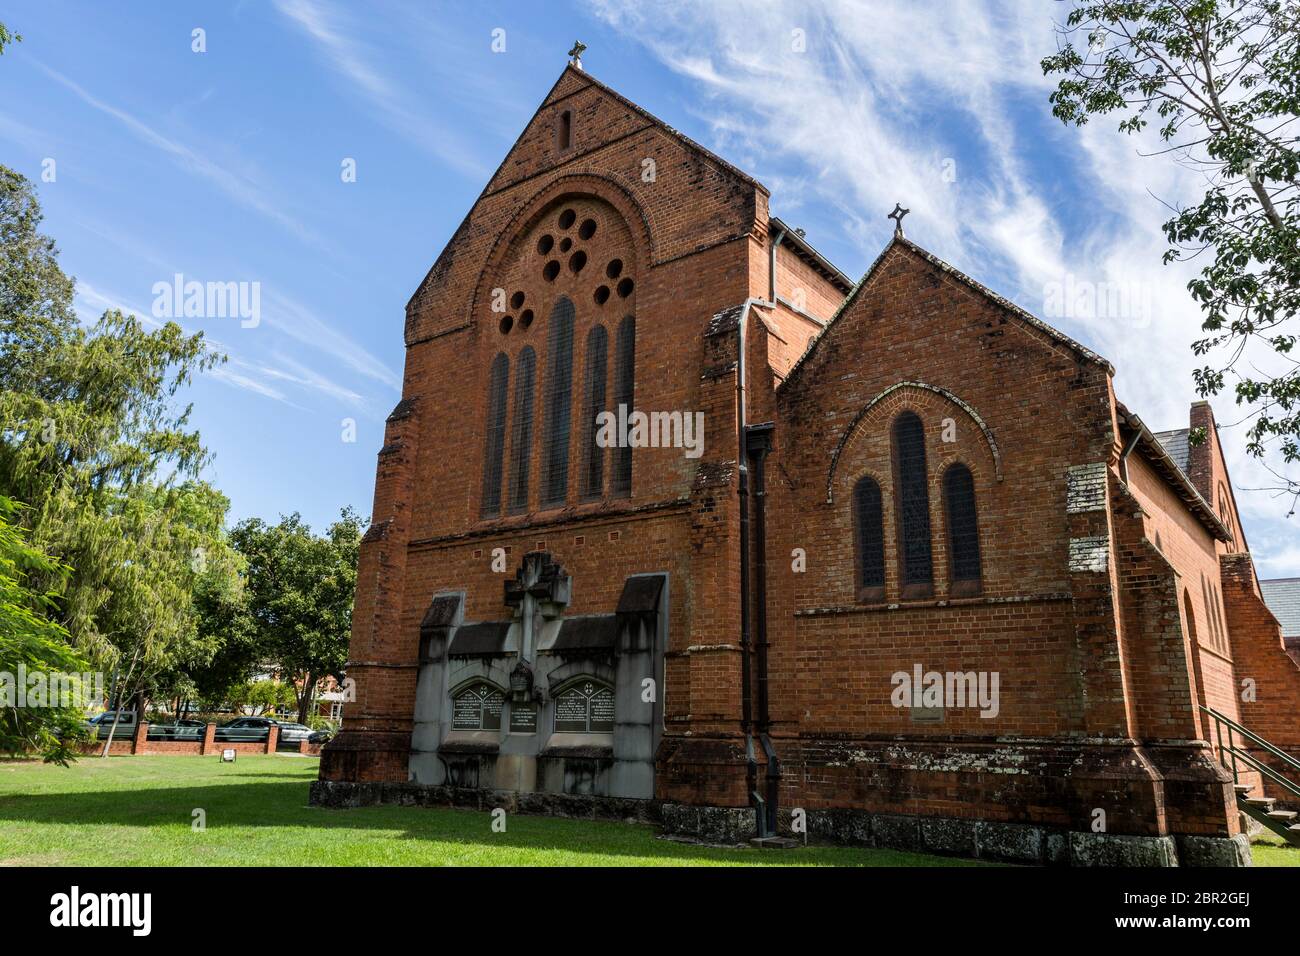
(897, 215)
(575, 55)
(539, 589)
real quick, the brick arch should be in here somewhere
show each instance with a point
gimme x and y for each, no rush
(901, 390)
(589, 186)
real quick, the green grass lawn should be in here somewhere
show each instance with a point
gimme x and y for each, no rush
(133, 811)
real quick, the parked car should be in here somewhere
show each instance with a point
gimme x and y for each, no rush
(183, 729)
(320, 736)
(294, 732)
(101, 724)
(256, 728)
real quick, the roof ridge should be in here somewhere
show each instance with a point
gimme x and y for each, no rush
(674, 131)
(976, 285)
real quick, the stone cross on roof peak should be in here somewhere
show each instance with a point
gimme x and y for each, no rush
(897, 215)
(575, 55)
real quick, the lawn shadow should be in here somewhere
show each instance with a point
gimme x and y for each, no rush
(284, 804)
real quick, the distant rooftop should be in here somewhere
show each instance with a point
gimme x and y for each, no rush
(1175, 442)
(1282, 595)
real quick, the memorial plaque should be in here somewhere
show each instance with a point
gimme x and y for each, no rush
(571, 712)
(586, 708)
(523, 719)
(492, 702)
(602, 712)
(478, 708)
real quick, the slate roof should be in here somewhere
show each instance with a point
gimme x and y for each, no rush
(1282, 595)
(483, 639)
(1175, 442)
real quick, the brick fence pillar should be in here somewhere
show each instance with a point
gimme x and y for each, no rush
(138, 745)
(209, 739)
(272, 738)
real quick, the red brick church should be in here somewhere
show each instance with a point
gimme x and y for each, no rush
(676, 521)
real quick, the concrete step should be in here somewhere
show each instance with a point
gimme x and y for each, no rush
(1260, 803)
(1242, 788)
(775, 843)
(1282, 816)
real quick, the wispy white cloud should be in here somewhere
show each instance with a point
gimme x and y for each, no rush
(336, 34)
(883, 101)
(304, 325)
(239, 371)
(237, 188)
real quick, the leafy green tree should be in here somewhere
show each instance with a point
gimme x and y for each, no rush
(300, 589)
(6, 37)
(30, 641)
(92, 439)
(1222, 80)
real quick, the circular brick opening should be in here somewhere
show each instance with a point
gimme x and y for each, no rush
(625, 288)
(526, 318)
(614, 269)
(551, 270)
(601, 295)
(566, 218)
(587, 229)
(507, 323)
(545, 244)
(516, 300)
(577, 261)
(565, 244)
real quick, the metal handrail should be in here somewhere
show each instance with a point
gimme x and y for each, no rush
(1260, 741)
(1237, 752)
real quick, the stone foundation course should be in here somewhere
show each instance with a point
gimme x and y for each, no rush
(979, 839)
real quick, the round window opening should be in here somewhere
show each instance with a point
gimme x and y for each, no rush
(625, 288)
(587, 229)
(516, 300)
(566, 218)
(507, 323)
(577, 261)
(545, 244)
(551, 270)
(526, 318)
(614, 269)
(601, 295)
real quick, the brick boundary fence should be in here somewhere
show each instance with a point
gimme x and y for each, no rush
(139, 743)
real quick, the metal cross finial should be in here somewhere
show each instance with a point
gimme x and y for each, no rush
(897, 215)
(575, 55)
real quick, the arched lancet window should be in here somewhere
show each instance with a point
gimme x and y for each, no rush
(963, 530)
(521, 428)
(1218, 614)
(559, 404)
(912, 497)
(1191, 617)
(869, 536)
(1209, 611)
(585, 707)
(564, 132)
(496, 436)
(477, 707)
(624, 392)
(593, 482)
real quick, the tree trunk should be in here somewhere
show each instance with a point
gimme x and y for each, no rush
(305, 698)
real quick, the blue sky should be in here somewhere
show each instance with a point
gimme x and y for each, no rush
(225, 166)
